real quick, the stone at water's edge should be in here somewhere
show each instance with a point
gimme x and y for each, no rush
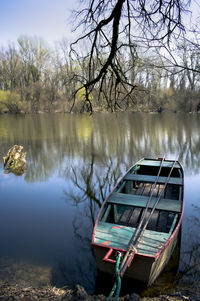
(15, 160)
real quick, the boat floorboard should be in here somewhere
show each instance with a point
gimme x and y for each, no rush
(135, 217)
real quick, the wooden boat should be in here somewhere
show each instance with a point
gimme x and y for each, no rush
(151, 192)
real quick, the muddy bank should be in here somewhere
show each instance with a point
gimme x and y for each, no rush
(16, 292)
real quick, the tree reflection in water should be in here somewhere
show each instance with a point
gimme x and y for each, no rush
(91, 183)
(189, 272)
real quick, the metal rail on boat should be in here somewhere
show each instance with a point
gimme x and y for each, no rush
(134, 241)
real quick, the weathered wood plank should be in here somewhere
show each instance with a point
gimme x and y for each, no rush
(173, 224)
(140, 189)
(125, 216)
(155, 191)
(175, 192)
(153, 221)
(113, 244)
(120, 187)
(135, 217)
(147, 189)
(142, 247)
(146, 215)
(106, 227)
(129, 231)
(180, 193)
(168, 191)
(119, 236)
(160, 189)
(106, 213)
(162, 222)
(141, 201)
(116, 234)
(113, 237)
(151, 179)
(166, 163)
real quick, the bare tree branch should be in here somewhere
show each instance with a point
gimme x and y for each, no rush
(113, 28)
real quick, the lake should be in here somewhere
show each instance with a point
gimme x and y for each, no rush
(73, 161)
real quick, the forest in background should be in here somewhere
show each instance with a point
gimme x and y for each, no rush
(141, 56)
(35, 78)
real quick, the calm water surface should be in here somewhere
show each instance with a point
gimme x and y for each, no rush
(47, 215)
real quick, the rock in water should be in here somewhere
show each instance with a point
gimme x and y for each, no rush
(15, 160)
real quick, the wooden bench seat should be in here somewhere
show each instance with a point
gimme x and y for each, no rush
(151, 162)
(151, 179)
(141, 201)
(119, 238)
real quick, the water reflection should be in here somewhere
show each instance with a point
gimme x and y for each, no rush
(189, 272)
(93, 183)
(50, 140)
(73, 162)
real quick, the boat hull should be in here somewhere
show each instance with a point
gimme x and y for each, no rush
(145, 269)
(148, 197)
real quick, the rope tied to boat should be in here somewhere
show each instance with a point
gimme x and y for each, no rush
(130, 256)
(117, 284)
(133, 249)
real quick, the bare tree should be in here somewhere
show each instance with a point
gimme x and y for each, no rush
(9, 68)
(112, 29)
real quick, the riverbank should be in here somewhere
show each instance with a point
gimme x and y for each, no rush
(16, 293)
(95, 110)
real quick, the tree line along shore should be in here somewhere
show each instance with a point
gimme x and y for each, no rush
(35, 78)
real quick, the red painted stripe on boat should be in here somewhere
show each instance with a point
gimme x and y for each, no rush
(106, 243)
(115, 227)
(120, 250)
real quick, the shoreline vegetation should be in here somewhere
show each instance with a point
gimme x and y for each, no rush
(35, 78)
(57, 111)
(46, 112)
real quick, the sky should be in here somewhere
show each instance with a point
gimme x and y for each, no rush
(48, 19)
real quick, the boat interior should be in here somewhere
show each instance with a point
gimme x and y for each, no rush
(126, 205)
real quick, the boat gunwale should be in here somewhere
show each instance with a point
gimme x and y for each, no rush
(171, 236)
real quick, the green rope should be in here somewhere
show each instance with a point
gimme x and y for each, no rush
(112, 291)
(118, 288)
(117, 283)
